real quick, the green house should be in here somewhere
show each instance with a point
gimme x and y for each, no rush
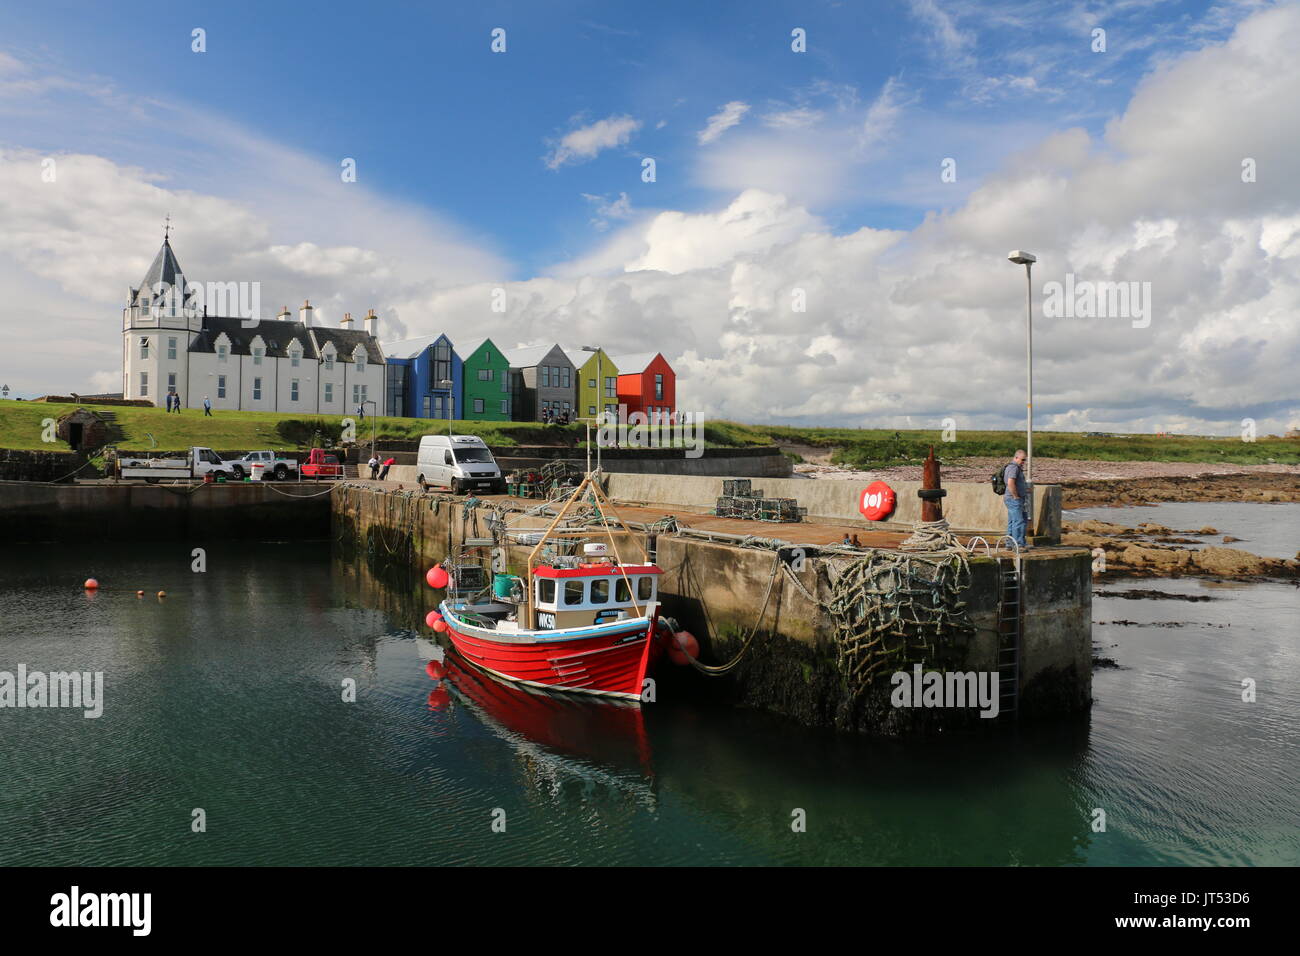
(486, 384)
(597, 383)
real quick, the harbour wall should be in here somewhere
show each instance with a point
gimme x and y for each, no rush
(31, 511)
(715, 591)
(968, 507)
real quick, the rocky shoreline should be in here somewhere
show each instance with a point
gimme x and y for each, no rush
(1152, 550)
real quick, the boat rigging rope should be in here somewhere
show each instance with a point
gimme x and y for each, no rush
(718, 670)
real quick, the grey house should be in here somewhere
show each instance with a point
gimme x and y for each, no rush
(542, 379)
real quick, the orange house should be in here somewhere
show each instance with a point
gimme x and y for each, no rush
(648, 385)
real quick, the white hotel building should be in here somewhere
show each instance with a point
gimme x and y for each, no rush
(266, 365)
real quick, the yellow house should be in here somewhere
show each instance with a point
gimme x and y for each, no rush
(592, 392)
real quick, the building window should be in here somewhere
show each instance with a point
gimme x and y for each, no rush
(358, 394)
(505, 406)
(546, 376)
(257, 389)
(329, 393)
(293, 390)
(144, 384)
(294, 358)
(565, 373)
(611, 386)
(171, 348)
(591, 410)
(441, 362)
(478, 405)
(329, 361)
(591, 383)
(428, 407)
(361, 361)
(505, 383)
(171, 381)
(659, 388)
(144, 348)
(257, 355)
(485, 375)
(222, 353)
(221, 386)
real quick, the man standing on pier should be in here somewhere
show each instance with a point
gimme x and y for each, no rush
(1016, 497)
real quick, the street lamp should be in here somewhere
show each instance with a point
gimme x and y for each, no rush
(1027, 259)
(448, 384)
(600, 400)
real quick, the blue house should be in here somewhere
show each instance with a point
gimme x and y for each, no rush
(418, 373)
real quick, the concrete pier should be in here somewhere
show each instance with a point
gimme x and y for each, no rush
(715, 588)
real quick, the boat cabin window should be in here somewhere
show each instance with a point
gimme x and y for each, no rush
(573, 591)
(645, 586)
(622, 594)
(600, 591)
(545, 590)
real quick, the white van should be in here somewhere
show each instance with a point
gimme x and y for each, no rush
(459, 462)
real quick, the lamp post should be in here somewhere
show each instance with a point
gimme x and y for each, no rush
(448, 384)
(373, 415)
(600, 397)
(1027, 259)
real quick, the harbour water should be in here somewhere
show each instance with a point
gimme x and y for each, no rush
(228, 696)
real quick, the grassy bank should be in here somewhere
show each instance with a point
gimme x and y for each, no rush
(143, 428)
(864, 447)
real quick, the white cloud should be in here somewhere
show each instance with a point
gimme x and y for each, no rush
(586, 142)
(721, 121)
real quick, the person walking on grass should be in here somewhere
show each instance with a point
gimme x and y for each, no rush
(1017, 497)
(176, 405)
(207, 407)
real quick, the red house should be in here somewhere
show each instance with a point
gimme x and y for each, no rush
(647, 384)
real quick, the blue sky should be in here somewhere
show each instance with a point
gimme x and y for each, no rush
(413, 93)
(775, 170)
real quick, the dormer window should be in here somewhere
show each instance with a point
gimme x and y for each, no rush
(258, 352)
(329, 361)
(361, 361)
(294, 357)
(223, 352)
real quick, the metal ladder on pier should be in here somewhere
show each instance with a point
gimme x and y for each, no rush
(1010, 622)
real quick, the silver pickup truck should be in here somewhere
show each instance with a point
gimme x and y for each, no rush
(276, 467)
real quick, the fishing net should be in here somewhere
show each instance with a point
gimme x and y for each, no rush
(891, 609)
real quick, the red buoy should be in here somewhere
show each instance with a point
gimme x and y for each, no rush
(91, 584)
(432, 618)
(437, 577)
(683, 648)
(435, 669)
(440, 626)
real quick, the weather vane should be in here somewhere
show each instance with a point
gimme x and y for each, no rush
(167, 227)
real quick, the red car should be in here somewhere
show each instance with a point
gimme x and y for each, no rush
(320, 465)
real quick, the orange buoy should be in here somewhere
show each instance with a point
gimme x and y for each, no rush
(683, 648)
(432, 618)
(91, 584)
(435, 669)
(437, 577)
(162, 594)
(440, 626)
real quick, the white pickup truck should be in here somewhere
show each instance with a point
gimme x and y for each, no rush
(275, 466)
(198, 461)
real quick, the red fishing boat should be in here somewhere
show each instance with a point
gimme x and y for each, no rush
(584, 623)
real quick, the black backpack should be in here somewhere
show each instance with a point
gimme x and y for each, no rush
(999, 481)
